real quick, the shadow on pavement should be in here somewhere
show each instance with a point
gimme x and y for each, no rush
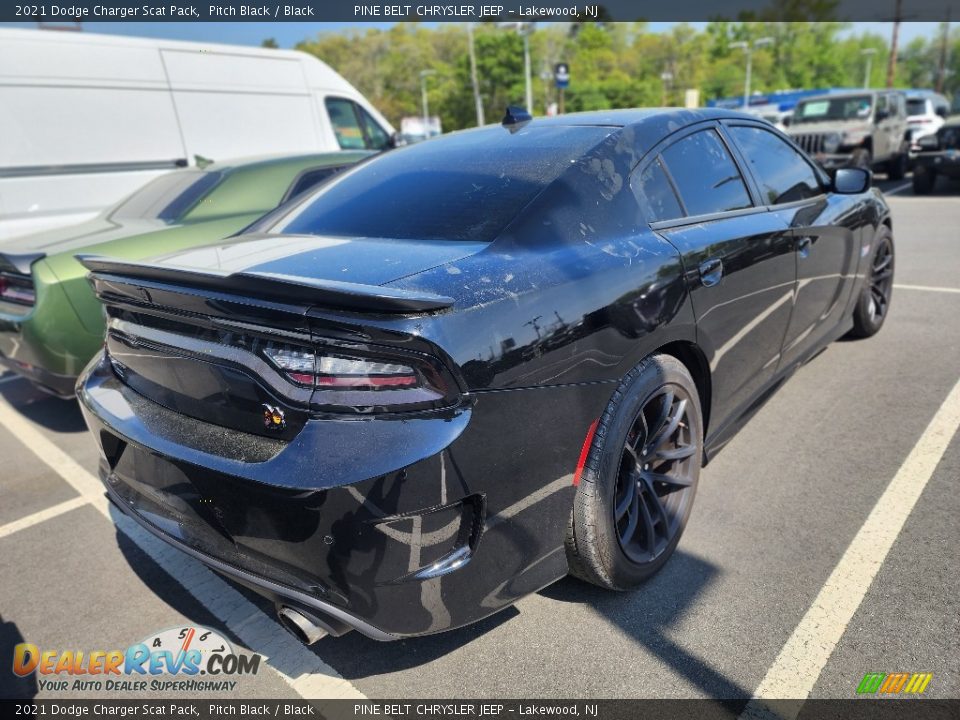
(646, 613)
(62, 416)
(13, 687)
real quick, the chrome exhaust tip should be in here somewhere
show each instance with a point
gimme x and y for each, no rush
(303, 627)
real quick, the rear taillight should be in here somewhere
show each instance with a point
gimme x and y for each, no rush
(342, 378)
(16, 289)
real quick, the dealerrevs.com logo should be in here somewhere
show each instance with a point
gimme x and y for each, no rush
(184, 659)
(900, 683)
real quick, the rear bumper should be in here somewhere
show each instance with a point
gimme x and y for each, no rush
(393, 527)
(62, 386)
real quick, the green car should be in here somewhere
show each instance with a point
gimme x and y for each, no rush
(50, 322)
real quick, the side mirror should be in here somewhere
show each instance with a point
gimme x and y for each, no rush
(851, 181)
(929, 142)
(880, 116)
(786, 121)
(942, 112)
(396, 140)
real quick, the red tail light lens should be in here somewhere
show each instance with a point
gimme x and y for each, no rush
(342, 379)
(17, 290)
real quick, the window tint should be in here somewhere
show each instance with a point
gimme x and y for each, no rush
(705, 174)
(782, 174)
(310, 178)
(377, 138)
(656, 197)
(167, 197)
(456, 187)
(346, 126)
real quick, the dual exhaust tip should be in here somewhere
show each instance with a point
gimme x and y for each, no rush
(307, 627)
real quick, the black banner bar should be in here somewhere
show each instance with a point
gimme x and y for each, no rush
(67, 11)
(852, 709)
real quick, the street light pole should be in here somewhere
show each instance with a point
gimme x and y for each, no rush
(868, 53)
(477, 101)
(526, 70)
(424, 74)
(524, 29)
(748, 49)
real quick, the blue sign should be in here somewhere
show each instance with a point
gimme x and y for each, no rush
(561, 74)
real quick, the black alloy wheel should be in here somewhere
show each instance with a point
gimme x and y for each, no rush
(873, 305)
(640, 477)
(655, 479)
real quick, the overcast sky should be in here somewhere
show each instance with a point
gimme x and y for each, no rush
(287, 34)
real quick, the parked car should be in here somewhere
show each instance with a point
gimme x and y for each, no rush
(141, 107)
(926, 112)
(467, 367)
(50, 322)
(938, 155)
(862, 128)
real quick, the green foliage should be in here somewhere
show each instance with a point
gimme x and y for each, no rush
(616, 65)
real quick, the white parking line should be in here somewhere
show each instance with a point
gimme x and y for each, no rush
(897, 189)
(926, 288)
(306, 673)
(803, 657)
(38, 517)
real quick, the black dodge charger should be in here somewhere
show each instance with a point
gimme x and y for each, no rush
(463, 369)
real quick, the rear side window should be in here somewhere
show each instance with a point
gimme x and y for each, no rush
(465, 186)
(655, 195)
(782, 174)
(309, 179)
(168, 197)
(346, 124)
(705, 175)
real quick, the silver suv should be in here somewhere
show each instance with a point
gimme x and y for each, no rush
(862, 128)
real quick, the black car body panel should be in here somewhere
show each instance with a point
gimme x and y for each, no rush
(419, 509)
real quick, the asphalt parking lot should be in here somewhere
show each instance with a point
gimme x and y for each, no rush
(789, 518)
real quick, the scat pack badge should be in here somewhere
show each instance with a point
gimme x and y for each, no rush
(273, 418)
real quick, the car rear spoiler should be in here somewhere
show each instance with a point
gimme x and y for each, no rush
(332, 294)
(19, 263)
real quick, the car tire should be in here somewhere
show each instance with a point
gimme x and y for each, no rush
(645, 456)
(923, 181)
(873, 305)
(862, 158)
(897, 167)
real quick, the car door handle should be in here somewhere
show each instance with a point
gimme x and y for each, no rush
(711, 271)
(803, 246)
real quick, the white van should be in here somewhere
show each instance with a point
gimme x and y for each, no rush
(86, 119)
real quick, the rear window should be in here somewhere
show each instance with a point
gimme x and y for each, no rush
(466, 186)
(167, 197)
(917, 107)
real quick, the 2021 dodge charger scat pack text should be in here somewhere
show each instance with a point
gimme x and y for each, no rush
(465, 368)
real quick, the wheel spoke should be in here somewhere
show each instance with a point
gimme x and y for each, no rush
(663, 417)
(651, 543)
(677, 482)
(660, 510)
(678, 453)
(671, 427)
(624, 505)
(882, 263)
(633, 516)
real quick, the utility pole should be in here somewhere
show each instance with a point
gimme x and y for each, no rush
(748, 48)
(944, 43)
(477, 100)
(525, 29)
(424, 74)
(868, 53)
(892, 60)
